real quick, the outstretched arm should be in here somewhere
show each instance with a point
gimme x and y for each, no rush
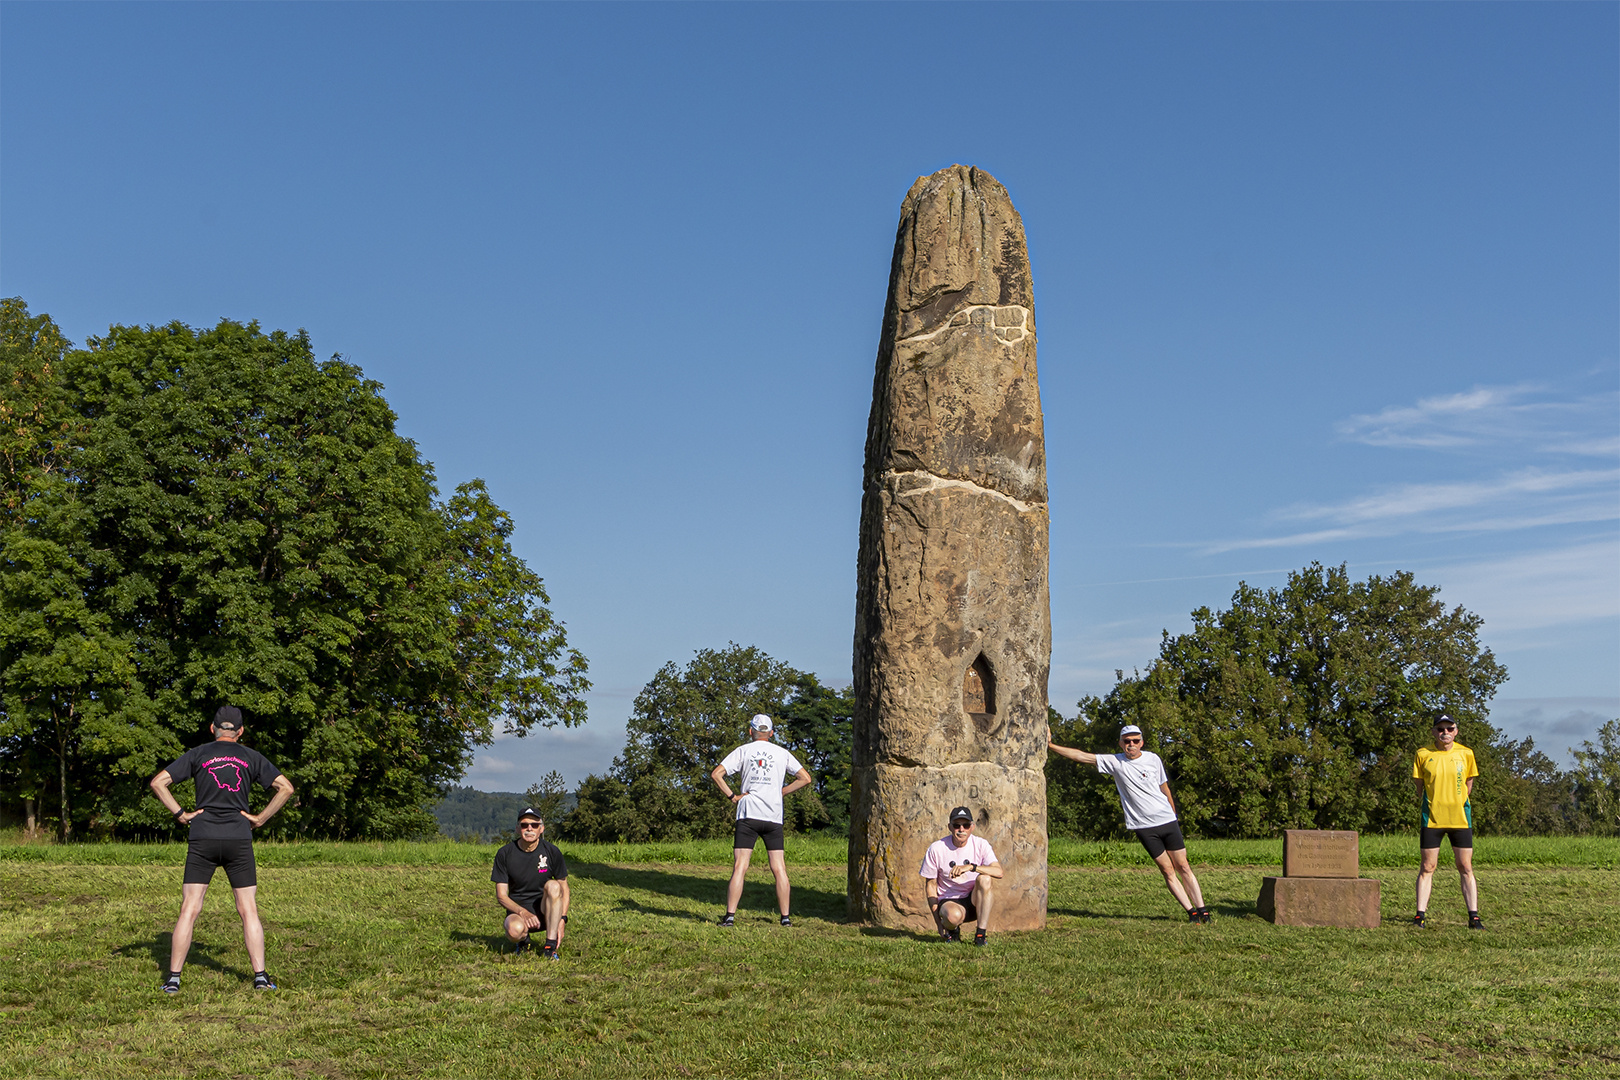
(1071, 753)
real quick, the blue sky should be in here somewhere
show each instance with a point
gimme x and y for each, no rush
(1319, 282)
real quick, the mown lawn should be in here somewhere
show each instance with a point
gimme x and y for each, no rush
(391, 965)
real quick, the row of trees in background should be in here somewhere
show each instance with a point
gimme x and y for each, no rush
(1297, 707)
(199, 517)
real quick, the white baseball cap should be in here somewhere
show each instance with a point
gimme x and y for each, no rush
(760, 722)
(1129, 729)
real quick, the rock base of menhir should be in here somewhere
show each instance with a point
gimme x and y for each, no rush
(897, 811)
(1319, 901)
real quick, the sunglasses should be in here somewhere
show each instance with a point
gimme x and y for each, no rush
(961, 825)
(1130, 740)
(527, 825)
(1445, 727)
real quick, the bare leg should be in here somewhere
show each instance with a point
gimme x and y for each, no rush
(1189, 882)
(778, 861)
(556, 908)
(984, 898)
(1425, 880)
(952, 913)
(247, 906)
(1171, 882)
(740, 857)
(1465, 868)
(191, 903)
(517, 928)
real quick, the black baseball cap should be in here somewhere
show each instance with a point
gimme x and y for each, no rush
(1444, 720)
(531, 812)
(229, 717)
(961, 813)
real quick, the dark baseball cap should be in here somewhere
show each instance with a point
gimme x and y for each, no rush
(531, 812)
(961, 813)
(229, 717)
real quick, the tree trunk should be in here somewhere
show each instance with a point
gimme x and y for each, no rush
(67, 818)
(31, 822)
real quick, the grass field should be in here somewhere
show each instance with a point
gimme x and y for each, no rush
(391, 964)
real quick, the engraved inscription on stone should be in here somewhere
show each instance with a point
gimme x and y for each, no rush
(1326, 853)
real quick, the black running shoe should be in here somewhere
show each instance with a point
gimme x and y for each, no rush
(1193, 916)
(171, 985)
(549, 952)
(978, 938)
(1420, 921)
(1475, 923)
(728, 919)
(261, 981)
(786, 921)
(1203, 915)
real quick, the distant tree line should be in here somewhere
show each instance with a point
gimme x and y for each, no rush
(196, 517)
(1297, 707)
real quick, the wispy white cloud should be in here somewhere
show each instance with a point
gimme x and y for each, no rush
(1520, 416)
(1537, 589)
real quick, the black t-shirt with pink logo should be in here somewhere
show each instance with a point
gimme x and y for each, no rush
(223, 771)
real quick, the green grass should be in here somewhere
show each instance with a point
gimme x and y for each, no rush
(391, 965)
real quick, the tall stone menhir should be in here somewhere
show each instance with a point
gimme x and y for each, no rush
(953, 632)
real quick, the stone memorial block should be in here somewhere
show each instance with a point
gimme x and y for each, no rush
(1319, 901)
(953, 627)
(1321, 853)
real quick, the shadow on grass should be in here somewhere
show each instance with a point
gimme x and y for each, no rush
(891, 932)
(201, 954)
(709, 891)
(495, 943)
(1087, 913)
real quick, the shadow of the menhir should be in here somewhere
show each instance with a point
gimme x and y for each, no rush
(710, 890)
(200, 955)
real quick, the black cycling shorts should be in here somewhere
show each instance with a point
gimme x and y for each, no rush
(750, 830)
(1162, 838)
(203, 857)
(1460, 838)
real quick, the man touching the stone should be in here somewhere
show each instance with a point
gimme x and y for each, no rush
(762, 765)
(958, 869)
(1150, 812)
(531, 883)
(221, 834)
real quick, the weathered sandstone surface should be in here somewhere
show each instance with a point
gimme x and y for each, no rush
(953, 623)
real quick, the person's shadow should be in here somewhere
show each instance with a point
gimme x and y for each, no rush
(709, 891)
(201, 954)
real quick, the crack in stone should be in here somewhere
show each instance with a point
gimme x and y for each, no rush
(1010, 323)
(936, 482)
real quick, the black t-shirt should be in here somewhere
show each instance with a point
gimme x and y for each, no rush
(525, 873)
(222, 771)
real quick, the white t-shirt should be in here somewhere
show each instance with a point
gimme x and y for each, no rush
(1138, 783)
(763, 764)
(936, 864)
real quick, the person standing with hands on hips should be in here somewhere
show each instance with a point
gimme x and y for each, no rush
(758, 799)
(221, 834)
(1150, 812)
(958, 868)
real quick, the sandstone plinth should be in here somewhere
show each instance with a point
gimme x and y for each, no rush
(1319, 901)
(952, 623)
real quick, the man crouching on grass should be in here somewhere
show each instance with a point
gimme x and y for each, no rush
(958, 869)
(531, 883)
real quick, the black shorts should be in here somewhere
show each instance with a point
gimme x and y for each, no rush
(750, 830)
(1162, 838)
(203, 857)
(1460, 838)
(967, 905)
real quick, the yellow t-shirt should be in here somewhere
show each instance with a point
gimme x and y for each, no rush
(1445, 775)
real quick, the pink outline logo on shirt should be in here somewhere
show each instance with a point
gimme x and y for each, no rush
(227, 773)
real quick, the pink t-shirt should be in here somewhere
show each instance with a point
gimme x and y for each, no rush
(941, 853)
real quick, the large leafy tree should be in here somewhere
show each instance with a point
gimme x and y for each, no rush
(1596, 780)
(245, 525)
(685, 720)
(1301, 706)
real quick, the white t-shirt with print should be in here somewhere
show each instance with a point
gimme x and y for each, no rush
(936, 864)
(1138, 783)
(763, 764)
